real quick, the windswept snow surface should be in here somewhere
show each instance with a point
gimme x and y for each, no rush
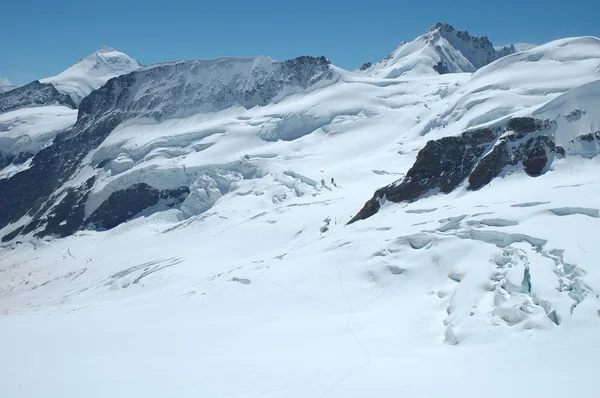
(256, 287)
(92, 72)
(30, 129)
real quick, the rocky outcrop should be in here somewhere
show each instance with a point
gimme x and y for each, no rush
(521, 148)
(440, 167)
(478, 50)
(365, 66)
(33, 94)
(478, 155)
(590, 137)
(10, 158)
(32, 191)
(125, 204)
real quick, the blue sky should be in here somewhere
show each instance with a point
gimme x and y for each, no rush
(40, 38)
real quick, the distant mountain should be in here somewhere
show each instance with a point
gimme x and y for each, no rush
(518, 46)
(92, 72)
(441, 49)
(32, 95)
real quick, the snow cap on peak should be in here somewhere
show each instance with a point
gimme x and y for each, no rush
(105, 49)
(92, 72)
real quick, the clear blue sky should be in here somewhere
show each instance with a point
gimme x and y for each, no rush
(40, 38)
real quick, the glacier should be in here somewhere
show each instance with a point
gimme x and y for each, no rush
(184, 231)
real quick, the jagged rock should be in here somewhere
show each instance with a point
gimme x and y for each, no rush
(440, 167)
(365, 66)
(590, 137)
(444, 164)
(125, 204)
(33, 94)
(67, 216)
(524, 125)
(441, 68)
(533, 153)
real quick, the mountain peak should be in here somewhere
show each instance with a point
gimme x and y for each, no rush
(443, 26)
(441, 49)
(91, 72)
(105, 49)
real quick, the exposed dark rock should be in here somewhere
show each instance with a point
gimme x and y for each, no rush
(480, 155)
(590, 137)
(365, 66)
(7, 159)
(575, 115)
(125, 204)
(33, 94)
(490, 166)
(524, 125)
(31, 190)
(440, 167)
(532, 153)
(12, 234)
(535, 156)
(67, 216)
(441, 68)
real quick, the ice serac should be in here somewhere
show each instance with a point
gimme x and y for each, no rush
(44, 190)
(32, 95)
(441, 49)
(91, 72)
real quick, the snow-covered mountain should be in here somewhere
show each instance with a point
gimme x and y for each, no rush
(150, 95)
(211, 214)
(92, 72)
(33, 114)
(442, 49)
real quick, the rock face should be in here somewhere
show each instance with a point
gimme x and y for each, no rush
(123, 205)
(440, 167)
(477, 50)
(365, 66)
(159, 92)
(520, 146)
(479, 155)
(33, 94)
(441, 49)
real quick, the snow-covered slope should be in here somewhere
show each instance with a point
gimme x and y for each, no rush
(92, 72)
(204, 205)
(442, 49)
(24, 132)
